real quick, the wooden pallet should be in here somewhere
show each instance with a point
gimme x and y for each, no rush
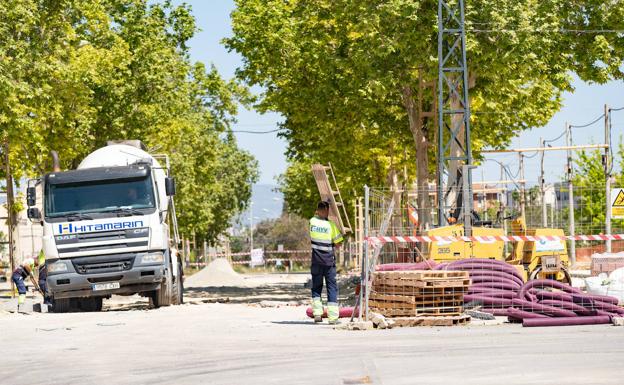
(382, 301)
(417, 305)
(424, 274)
(421, 278)
(431, 321)
(413, 299)
(420, 292)
(421, 284)
(413, 312)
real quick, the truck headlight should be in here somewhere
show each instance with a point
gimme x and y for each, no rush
(152, 258)
(57, 267)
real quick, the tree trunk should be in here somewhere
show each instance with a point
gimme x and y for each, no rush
(421, 143)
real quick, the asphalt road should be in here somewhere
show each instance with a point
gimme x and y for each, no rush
(247, 344)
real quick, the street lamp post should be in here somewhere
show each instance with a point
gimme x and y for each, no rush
(250, 227)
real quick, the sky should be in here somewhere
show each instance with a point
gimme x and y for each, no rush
(580, 107)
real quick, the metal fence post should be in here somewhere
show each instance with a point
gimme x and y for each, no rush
(364, 275)
(570, 173)
(607, 168)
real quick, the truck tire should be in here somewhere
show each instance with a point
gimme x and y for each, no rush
(90, 304)
(178, 287)
(162, 296)
(61, 305)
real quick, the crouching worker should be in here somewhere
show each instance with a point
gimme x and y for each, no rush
(22, 272)
(325, 238)
(43, 277)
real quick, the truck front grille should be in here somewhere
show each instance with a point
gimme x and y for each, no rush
(102, 264)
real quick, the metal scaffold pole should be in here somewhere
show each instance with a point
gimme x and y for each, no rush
(542, 183)
(364, 274)
(522, 185)
(570, 176)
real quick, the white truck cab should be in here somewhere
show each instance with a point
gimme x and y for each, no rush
(109, 227)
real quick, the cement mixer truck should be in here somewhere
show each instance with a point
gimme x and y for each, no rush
(109, 227)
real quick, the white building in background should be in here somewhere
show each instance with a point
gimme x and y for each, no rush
(27, 235)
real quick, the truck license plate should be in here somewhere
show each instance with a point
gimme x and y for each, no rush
(105, 286)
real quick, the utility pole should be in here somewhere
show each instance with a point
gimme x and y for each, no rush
(454, 146)
(502, 197)
(541, 182)
(522, 185)
(607, 169)
(570, 175)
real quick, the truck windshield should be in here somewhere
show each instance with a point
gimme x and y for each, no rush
(99, 196)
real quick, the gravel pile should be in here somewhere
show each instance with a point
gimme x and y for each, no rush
(218, 273)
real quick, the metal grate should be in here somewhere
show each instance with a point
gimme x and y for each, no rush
(102, 264)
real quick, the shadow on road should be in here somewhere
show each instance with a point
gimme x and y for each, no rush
(310, 323)
(278, 292)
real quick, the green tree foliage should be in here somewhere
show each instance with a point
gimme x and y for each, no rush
(344, 74)
(76, 73)
(589, 185)
(288, 230)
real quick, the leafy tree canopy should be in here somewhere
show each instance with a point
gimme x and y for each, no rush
(77, 73)
(345, 73)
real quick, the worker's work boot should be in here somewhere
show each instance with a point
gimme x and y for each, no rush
(333, 312)
(20, 303)
(317, 309)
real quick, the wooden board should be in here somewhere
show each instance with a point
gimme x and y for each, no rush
(422, 278)
(411, 300)
(421, 292)
(417, 304)
(328, 193)
(425, 311)
(419, 283)
(431, 321)
(424, 274)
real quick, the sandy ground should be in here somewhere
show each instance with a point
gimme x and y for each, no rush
(247, 339)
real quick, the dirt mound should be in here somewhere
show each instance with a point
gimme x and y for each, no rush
(218, 273)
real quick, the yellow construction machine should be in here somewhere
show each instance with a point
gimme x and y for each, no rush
(536, 260)
(545, 259)
(453, 251)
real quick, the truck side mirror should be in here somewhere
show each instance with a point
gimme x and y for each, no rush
(170, 186)
(34, 213)
(31, 196)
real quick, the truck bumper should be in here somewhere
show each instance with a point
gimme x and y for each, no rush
(136, 280)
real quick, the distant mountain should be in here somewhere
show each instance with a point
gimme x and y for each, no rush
(267, 204)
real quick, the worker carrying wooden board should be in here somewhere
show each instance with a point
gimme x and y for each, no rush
(325, 238)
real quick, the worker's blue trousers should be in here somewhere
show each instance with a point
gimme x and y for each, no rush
(320, 272)
(19, 283)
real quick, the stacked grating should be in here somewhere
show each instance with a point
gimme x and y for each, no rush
(420, 297)
(606, 263)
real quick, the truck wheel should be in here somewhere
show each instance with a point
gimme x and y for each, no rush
(90, 304)
(162, 296)
(178, 288)
(61, 305)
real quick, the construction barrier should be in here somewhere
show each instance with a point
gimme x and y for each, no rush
(492, 238)
(248, 261)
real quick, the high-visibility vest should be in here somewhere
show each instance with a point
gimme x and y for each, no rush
(324, 234)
